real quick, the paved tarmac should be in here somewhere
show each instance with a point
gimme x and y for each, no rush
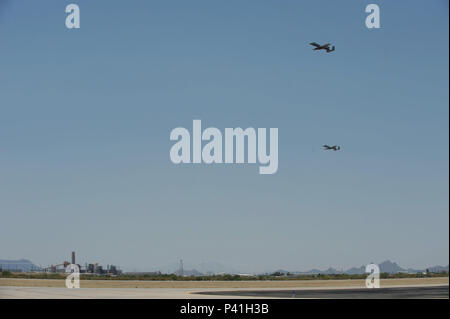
(440, 291)
(434, 292)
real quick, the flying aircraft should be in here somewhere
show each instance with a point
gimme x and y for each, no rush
(334, 148)
(322, 47)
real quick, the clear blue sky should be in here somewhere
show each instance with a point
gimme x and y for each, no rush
(85, 118)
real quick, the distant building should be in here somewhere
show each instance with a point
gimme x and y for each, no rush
(92, 268)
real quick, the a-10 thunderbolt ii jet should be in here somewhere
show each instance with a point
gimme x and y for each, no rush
(325, 47)
(334, 147)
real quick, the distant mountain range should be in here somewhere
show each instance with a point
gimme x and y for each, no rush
(18, 265)
(385, 267)
(206, 268)
(215, 268)
(203, 268)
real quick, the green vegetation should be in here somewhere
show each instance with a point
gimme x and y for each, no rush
(224, 277)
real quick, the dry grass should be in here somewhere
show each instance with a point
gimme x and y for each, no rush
(220, 284)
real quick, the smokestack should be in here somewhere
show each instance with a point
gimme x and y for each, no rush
(73, 257)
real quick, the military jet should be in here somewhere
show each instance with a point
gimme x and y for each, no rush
(334, 148)
(325, 47)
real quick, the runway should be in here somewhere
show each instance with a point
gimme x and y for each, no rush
(427, 292)
(433, 292)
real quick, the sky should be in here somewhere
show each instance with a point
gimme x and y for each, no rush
(86, 114)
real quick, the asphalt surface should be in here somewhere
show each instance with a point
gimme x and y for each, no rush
(406, 292)
(433, 292)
